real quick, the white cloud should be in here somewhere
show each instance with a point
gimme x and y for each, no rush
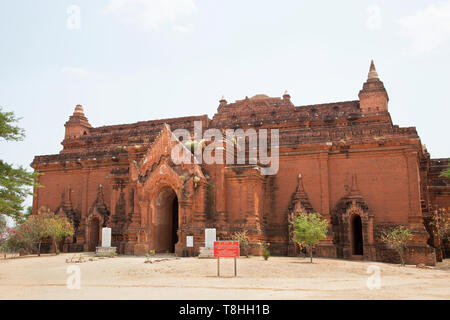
(149, 14)
(428, 28)
(373, 21)
(187, 28)
(81, 73)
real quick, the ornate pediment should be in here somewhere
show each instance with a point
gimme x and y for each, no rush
(353, 202)
(65, 209)
(99, 207)
(158, 160)
(300, 201)
(299, 204)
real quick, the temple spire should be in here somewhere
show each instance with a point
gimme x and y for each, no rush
(373, 97)
(78, 110)
(287, 96)
(78, 125)
(222, 101)
(373, 75)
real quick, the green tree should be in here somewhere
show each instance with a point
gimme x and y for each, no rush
(24, 216)
(37, 228)
(22, 236)
(8, 130)
(3, 228)
(445, 173)
(38, 225)
(57, 228)
(309, 229)
(45, 225)
(3, 224)
(15, 183)
(397, 239)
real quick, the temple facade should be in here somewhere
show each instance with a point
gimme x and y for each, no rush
(344, 160)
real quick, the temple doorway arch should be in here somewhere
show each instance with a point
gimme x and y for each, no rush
(94, 233)
(166, 220)
(356, 235)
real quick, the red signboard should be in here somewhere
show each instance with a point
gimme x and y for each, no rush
(226, 249)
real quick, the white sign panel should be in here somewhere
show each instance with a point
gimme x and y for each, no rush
(106, 237)
(210, 237)
(189, 241)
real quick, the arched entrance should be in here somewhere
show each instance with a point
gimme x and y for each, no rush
(357, 237)
(94, 233)
(166, 220)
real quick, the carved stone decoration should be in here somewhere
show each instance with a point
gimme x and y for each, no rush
(346, 236)
(119, 213)
(66, 208)
(97, 218)
(299, 204)
(156, 172)
(120, 219)
(99, 208)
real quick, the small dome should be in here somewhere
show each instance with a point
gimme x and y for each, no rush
(79, 110)
(260, 96)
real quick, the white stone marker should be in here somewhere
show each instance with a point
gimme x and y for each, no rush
(210, 237)
(106, 237)
(189, 241)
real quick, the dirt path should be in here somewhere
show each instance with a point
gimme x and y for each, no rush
(128, 277)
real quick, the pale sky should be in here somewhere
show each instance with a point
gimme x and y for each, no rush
(134, 60)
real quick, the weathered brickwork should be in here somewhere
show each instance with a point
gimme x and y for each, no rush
(345, 160)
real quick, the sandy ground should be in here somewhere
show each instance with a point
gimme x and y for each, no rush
(127, 277)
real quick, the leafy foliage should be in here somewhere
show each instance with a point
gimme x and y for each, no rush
(15, 183)
(37, 228)
(309, 229)
(441, 223)
(8, 131)
(57, 228)
(445, 173)
(440, 226)
(150, 254)
(3, 234)
(14, 188)
(2, 224)
(266, 251)
(397, 239)
(243, 241)
(22, 237)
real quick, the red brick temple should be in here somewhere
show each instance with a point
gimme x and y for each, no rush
(344, 160)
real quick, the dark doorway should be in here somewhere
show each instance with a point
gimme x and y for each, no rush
(174, 224)
(94, 237)
(357, 238)
(165, 220)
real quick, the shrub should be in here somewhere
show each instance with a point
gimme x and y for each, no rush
(309, 229)
(57, 228)
(440, 226)
(37, 228)
(397, 239)
(266, 251)
(243, 241)
(149, 254)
